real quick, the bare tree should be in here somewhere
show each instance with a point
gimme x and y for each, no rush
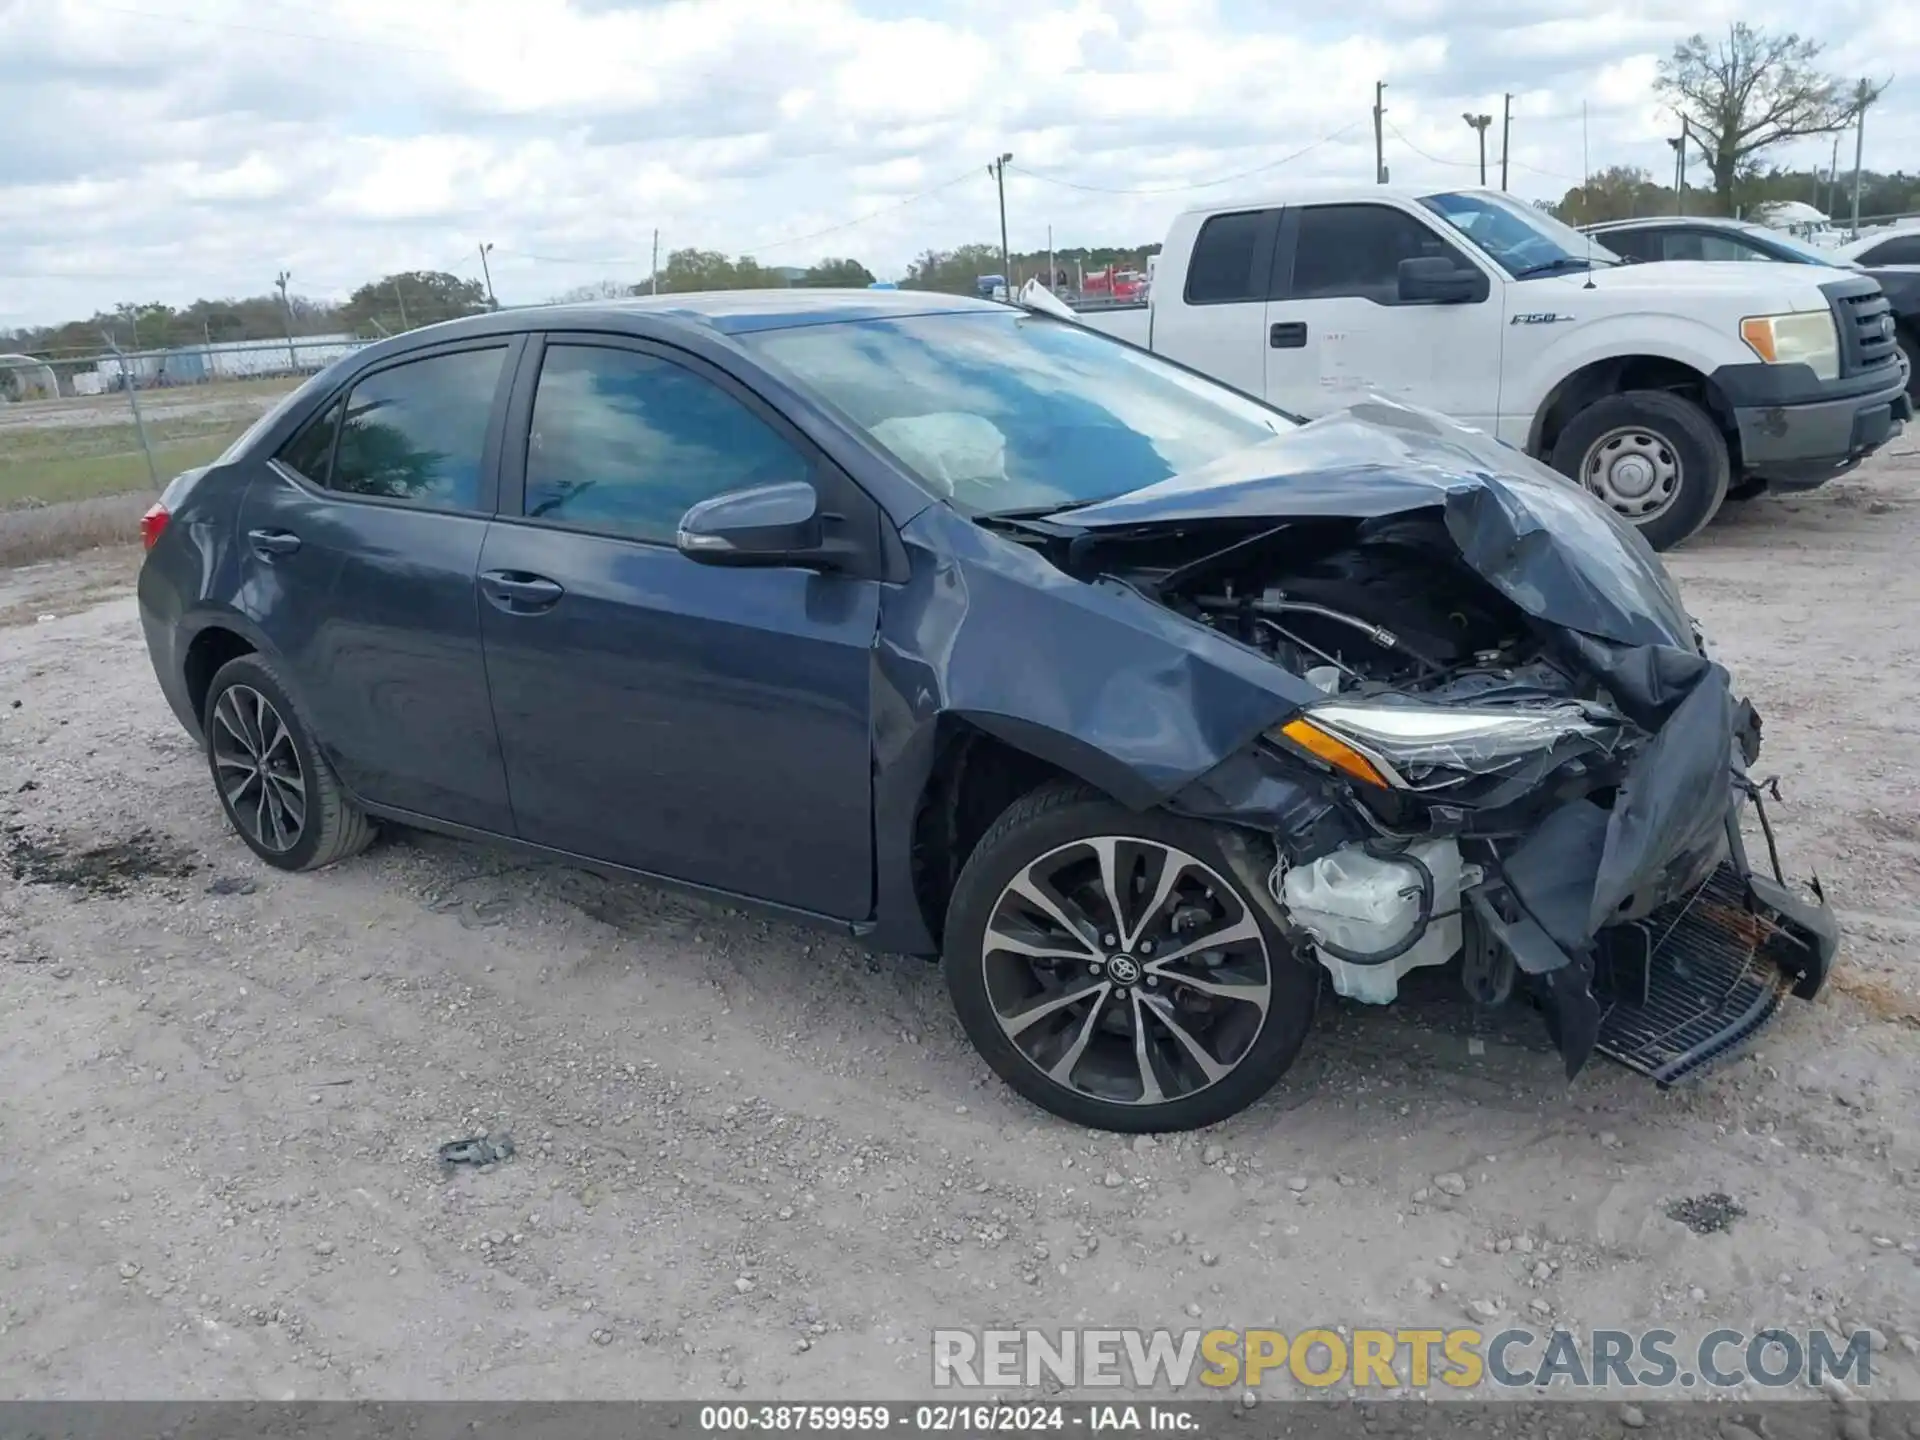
(1753, 90)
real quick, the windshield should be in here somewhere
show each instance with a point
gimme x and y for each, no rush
(1521, 239)
(1788, 246)
(1001, 412)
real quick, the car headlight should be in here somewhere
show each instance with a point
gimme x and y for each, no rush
(1423, 747)
(1806, 337)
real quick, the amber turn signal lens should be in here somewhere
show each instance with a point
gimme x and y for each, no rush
(1335, 751)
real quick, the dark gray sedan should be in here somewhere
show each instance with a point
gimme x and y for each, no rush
(979, 635)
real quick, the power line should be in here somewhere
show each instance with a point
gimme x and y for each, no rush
(1197, 185)
(1473, 164)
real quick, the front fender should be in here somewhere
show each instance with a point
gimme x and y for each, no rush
(1093, 679)
(1696, 344)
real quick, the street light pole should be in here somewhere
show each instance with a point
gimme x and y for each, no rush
(492, 304)
(998, 169)
(1480, 124)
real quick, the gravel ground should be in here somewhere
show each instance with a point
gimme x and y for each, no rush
(755, 1159)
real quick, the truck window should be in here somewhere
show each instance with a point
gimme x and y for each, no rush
(1225, 254)
(1356, 250)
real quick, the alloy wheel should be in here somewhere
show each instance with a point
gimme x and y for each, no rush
(258, 768)
(1634, 471)
(1127, 970)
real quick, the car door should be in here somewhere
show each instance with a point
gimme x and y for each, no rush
(1339, 331)
(706, 724)
(362, 539)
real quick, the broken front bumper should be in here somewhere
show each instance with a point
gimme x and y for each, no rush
(1681, 987)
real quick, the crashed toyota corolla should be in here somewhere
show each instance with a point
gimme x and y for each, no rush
(1148, 709)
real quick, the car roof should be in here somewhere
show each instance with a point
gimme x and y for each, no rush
(721, 312)
(1333, 192)
(1646, 222)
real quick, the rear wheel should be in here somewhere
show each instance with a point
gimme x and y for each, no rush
(1114, 969)
(280, 794)
(1656, 459)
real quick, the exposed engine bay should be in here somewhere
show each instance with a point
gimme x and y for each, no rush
(1471, 781)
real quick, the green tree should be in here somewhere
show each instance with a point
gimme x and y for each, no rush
(1620, 192)
(411, 298)
(1751, 91)
(956, 272)
(841, 274)
(711, 270)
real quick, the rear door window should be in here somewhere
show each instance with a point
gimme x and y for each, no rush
(418, 431)
(309, 454)
(1225, 266)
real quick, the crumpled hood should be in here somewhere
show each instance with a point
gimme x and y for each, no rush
(1544, 543)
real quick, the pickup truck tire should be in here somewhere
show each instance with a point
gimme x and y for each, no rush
(1182, 1011)
(1656, 458)
(1910, 347)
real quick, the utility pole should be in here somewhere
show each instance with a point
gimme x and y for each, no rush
(1833, 178)
(653, 278)
(998, 169)
(1379, 140)
(1506, 135)
(1863, 97)
(1480, 124)
(401, 301)
(1049, 257)
(492, 304)
(286, 315)
(1680, 170)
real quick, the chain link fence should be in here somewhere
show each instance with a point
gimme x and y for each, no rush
(86, 440)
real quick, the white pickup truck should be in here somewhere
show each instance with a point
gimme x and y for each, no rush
(1661, 387)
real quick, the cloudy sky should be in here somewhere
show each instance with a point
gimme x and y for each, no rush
(167, 149)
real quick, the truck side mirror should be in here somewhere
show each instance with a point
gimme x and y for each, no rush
(1436, 280)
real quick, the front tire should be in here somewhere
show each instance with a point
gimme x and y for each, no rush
(1910, 347)
(1656, 459)
(1114, 969)
(280, 794)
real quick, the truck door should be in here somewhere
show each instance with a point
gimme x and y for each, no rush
(1342, 325)
(1216, 320)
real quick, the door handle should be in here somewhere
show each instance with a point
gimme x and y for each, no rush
(1288, 335)
(268, 543)
(518, 593)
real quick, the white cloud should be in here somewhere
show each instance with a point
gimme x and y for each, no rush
(164, 149)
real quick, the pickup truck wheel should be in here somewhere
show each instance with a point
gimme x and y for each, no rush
(1655, 458)
(1112, 967)
(1910, 347)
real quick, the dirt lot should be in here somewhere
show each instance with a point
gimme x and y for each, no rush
(755, 1158)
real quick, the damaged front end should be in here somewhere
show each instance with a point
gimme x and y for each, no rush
(1520, 755)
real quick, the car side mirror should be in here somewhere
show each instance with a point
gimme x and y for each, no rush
(768, 525)
(1436, 280)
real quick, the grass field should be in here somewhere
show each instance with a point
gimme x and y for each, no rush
(79, 449)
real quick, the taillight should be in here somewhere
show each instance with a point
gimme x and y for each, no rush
(152, 523)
